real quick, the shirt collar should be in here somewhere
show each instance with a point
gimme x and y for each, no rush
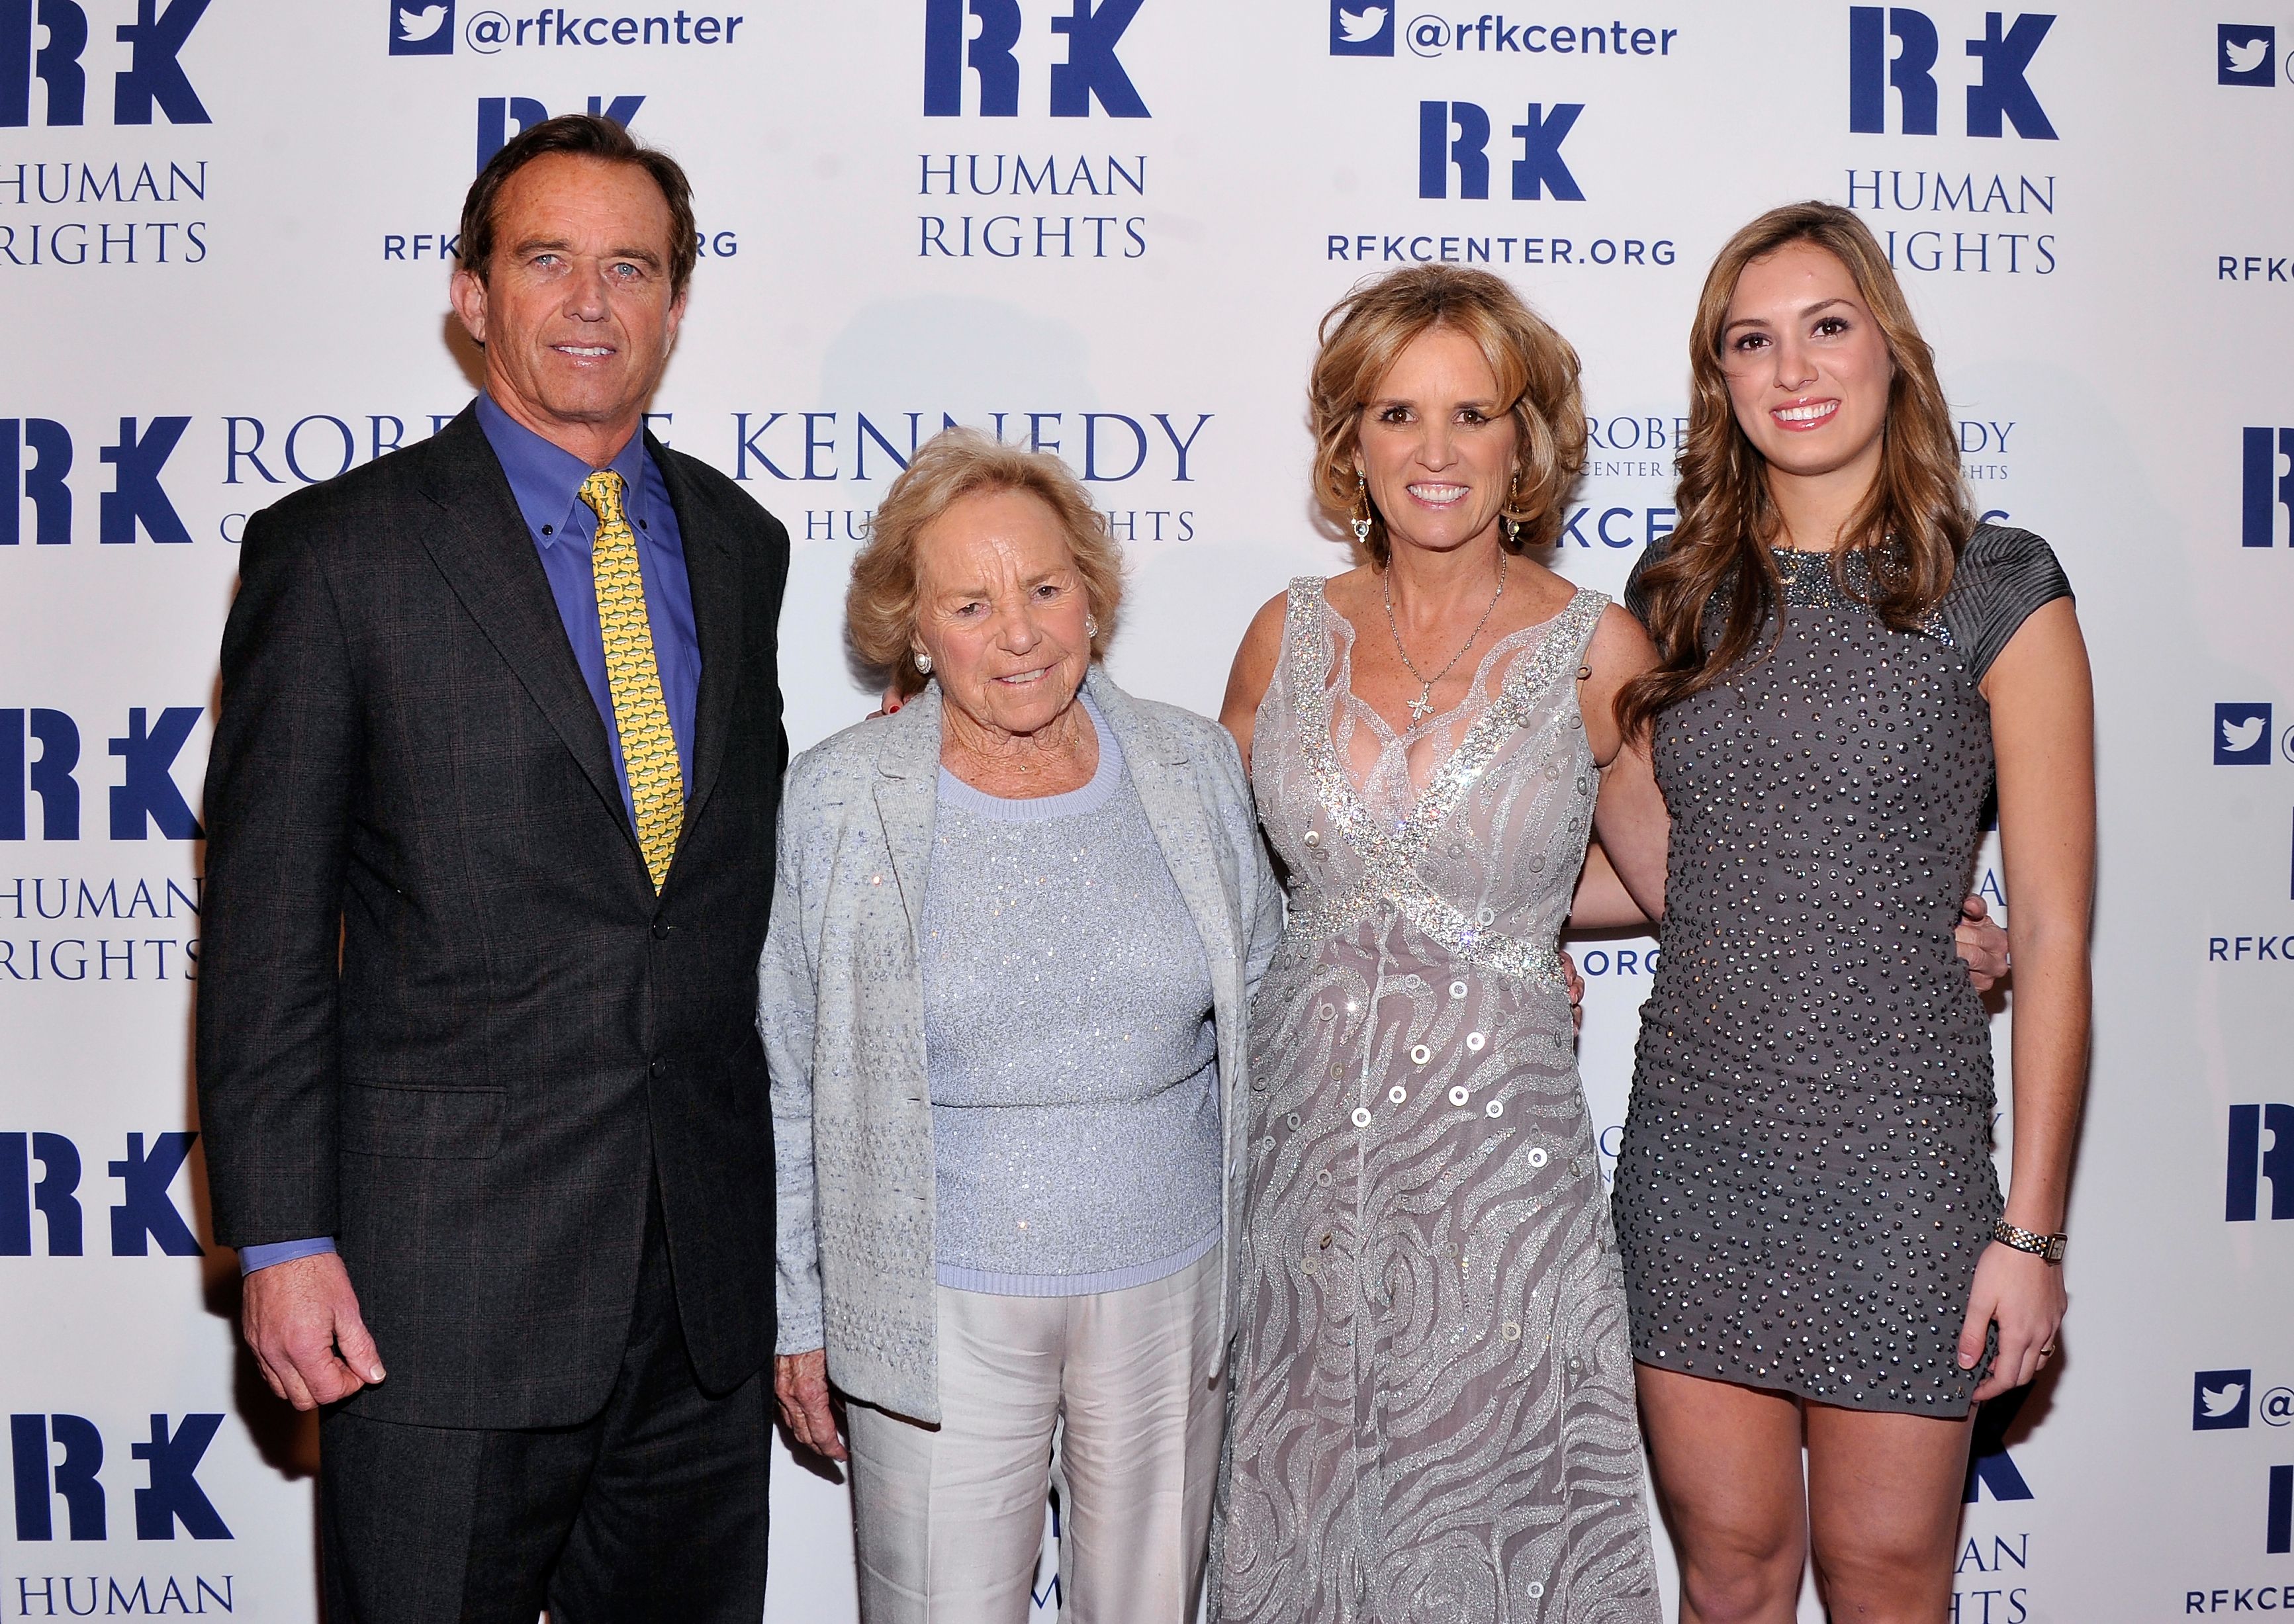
(546, 479)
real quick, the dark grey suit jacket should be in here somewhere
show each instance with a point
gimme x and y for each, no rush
(442, 1016)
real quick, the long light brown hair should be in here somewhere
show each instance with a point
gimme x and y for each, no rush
(1911, 525)
(1363, 334)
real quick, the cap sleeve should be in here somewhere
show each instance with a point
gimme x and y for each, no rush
(2004, 575)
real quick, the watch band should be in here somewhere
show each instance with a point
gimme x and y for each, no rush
(2049, 1246)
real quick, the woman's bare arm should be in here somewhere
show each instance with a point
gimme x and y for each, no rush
(1254, 669)
(1602, 902)
(2043, 733)
(1628, 817)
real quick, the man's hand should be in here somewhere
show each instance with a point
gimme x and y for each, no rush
(801, 1384)
(302, 1323)
(1982, 945)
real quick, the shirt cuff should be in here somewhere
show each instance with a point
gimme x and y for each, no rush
(252, 1258)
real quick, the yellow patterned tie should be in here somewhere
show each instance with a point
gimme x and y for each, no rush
(648, 747)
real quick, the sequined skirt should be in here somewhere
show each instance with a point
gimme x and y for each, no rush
(1819, 1238)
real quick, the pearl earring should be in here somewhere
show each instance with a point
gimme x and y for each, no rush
(1090, 625)
(924, 662)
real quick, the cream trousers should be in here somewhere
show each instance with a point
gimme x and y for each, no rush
(1106, 1398)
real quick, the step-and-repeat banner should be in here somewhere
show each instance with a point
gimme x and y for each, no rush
(1106, 228)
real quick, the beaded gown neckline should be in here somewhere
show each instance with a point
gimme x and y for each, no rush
(1389, 783)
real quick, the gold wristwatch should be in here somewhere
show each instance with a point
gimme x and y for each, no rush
(2049, 1246)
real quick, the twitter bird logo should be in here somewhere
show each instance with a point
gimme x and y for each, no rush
(2242, 735)
(421, 28)
(2218, 1400)
(2250, 53)
(1358, 30)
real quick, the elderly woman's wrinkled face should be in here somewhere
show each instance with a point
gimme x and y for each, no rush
(1001, 611)
(1436, 443)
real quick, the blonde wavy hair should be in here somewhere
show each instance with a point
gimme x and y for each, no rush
(1911, 528)
(1536, 370)
(880, 606)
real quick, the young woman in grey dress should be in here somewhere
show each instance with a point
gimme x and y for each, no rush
(1432, 1413)
(1813, 1236)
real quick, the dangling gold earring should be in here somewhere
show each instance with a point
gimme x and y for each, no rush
(1512, 524)
(1362, 508)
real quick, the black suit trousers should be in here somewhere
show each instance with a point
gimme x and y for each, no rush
(653, 1509)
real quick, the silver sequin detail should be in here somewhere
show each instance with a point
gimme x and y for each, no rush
(1390, 878)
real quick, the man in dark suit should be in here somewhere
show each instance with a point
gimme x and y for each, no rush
(490, 822)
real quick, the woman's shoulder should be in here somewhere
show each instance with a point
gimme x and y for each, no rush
(842, 760)
(1194, 734)
(2003, 575)
(1996, 552)
(2006, 570)
(1150, 727)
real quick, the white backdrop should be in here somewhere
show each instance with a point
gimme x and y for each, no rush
(221, 237)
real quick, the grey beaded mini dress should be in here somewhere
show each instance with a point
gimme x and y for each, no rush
(1805, 1180)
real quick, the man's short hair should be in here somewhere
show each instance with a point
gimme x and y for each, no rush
(579, 136)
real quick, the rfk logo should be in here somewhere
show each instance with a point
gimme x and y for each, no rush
(173, 1495)
(35, 456)
(153, 78)
(2251, 1163)
(1456, 135)
(2267, 493)
(2000, 97)
(145, 1213)
(1093, 73)
(146, 798)
(496, 113)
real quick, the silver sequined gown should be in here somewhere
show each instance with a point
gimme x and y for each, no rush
(1805, 1180)
(1432, 1414)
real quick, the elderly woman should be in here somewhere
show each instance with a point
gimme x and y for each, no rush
(1003, 995)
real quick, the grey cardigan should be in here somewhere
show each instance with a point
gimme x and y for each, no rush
(841, 1008)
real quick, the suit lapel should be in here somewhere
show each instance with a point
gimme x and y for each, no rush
(714, 570)
(1164, 778)
(480, 544)
(907, 796)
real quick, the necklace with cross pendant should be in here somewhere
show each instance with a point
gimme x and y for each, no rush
(1424, 703)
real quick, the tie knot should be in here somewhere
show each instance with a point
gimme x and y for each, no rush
(601, 493)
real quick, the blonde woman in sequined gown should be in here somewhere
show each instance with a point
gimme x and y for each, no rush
(1432, 1409)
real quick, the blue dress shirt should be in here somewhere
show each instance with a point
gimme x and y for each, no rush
(547, 481)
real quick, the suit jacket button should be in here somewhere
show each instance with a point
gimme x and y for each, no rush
(660, 929)
(660, 1068)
